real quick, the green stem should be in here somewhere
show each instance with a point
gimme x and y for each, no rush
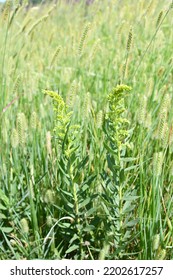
(3, 80)
(33, 211)
(78, 221)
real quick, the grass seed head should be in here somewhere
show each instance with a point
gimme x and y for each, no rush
(83, 38)
(99, 119)
(49, 197)
(161, 254)
(157, 163)
(159, 19)
(49, 221)
(34, 120)
(22, 127)
(24, 225)
(129, 41)
(14, 138)
(156, 242)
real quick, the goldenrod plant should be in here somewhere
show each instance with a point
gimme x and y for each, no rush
(72, 188)
(119, 196)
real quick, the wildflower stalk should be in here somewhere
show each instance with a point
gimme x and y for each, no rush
(116, 143)
(65, 134)
(63, 119)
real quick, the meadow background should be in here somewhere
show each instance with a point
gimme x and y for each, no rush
(99, 185)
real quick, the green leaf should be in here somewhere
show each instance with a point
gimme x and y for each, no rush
(6, 229)
(131, 168)
(90, 212)
(2, 207)
(74, 157)
(74, 238)
(89, 180)
(83, 162)
(128, 207)
(132, 223)
(106, 209)
(67, 193)
(130, 197)
(84, 188)
(128, 159)
(111, 151)
(65, 137)
(122, 177)
(64, 225)
(3, 197)
(89, 228)
(2, 216)
(72, 248)
(70, 205)
(85, 202)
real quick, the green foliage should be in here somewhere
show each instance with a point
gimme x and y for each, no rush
(72, 189)
(119, 196)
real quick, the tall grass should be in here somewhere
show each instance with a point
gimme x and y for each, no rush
(89, 175)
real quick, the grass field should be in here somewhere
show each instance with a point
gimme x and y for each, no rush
(86, 140)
